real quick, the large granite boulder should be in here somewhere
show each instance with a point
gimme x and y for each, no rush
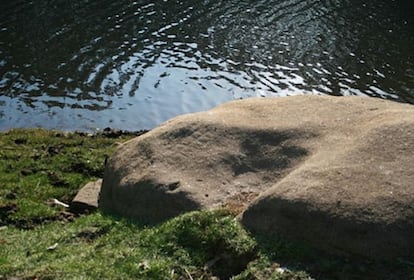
(336, 171)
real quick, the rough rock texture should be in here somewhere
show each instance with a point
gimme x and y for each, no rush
(359, 199)
(86, 199)
(336, 171)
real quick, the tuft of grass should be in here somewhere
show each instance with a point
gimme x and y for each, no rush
(97, 246)
(212, 240)
(264, 268)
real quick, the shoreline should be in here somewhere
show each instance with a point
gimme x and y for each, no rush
(108, 132)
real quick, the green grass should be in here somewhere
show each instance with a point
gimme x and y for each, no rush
(39, 241)
(96, 247)
(38, 165)
(197, 245)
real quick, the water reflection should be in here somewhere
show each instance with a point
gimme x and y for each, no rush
(84, 64)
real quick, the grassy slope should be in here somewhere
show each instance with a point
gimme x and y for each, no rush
(38, 240)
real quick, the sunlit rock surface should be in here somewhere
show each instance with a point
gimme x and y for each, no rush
(334, 171)
(86, 199)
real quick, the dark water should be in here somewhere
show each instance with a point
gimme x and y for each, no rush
(87, 64)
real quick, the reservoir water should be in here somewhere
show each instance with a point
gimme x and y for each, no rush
(89, 64)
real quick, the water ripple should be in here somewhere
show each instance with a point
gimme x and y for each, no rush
(82, 64)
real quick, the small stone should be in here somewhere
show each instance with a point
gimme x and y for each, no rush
(86, 200)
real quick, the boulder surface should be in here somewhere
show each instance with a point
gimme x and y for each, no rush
(334, 171)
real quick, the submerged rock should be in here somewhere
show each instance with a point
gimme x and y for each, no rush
(334, 171)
